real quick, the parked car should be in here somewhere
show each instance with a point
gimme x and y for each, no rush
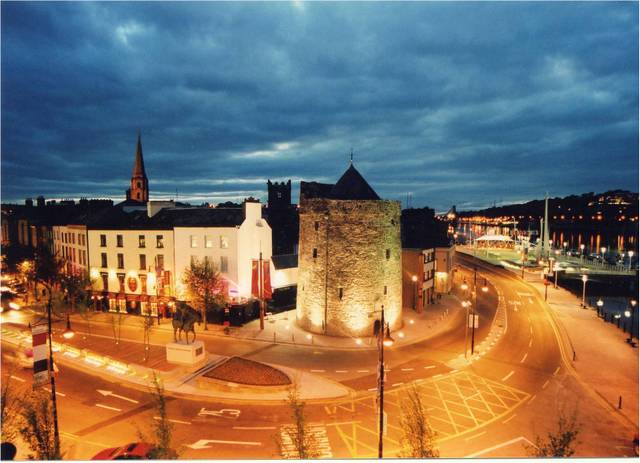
(133, 451)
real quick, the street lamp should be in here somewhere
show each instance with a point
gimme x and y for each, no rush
(630, 257)
(564, 246)
(600, 303)
(381, 330)
(555, 271)
(68, 332)
(582, 252)
(632, 314)
(485, 288)
(584, 289)
(603, 249)
(414, 279)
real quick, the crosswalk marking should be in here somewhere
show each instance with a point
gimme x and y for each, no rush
(322, 447)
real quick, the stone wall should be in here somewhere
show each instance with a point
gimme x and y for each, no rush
(346, 280)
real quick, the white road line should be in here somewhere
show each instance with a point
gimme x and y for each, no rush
(172, 421)
(257, 428)
(429, 366)
(476, 435)
(342, 371)
(406, 369)
(57, 393)
(524, 358)
(363, 371)
(510, 418)
(437, 376)
(317, 371)
(372, 389)
(531, 399)
(453, 371)
(232, 442)
(17, 378)
(508, 376)
(495, 447)
(556, 372)
(530, 329)
(530, 342)
(545, 384)
(108, 408)
(396, 384)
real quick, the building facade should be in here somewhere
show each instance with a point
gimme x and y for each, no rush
(418, 278)
(349, 258)
(70, 244)
(445, 262)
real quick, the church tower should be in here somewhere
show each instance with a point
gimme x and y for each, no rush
(139, 190)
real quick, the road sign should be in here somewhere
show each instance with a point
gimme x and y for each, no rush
(473, 321)
(40, 361)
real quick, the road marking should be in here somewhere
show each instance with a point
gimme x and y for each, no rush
(406, 369)
(530, 342)
(342, 371)
(531, 399)
(453, 371)
(110, 393)
(530, 301)
(17, 378)
(157, 418)
(495, 447)
(224, 413)
(57, 393)
(437, 376)
(508, 376)
(257, 428)
(476, 435)
(531, 329)
(545, 384)
(203, 443)
(510, 418)
(108, 408)
(363, 371)
(556, 372)
(396, 384)
(524, 358)
(429, 366)
(317, 371)
(372, 389)
(523, 294)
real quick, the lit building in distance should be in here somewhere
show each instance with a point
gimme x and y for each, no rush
(349, 258)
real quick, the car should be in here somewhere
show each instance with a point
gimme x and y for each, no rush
(133, 451)
(8, 301)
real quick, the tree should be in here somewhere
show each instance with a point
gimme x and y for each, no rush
(77, 294)
(204, 286)
(147, 327)
(37, 426)
(9, 407)
(115, 321)
(559, 443)
(162, 427)
(299, 435)
(418, 438)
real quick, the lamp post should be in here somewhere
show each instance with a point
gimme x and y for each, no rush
(603, 249)
(68, 333)
(584, 290)
(546, 287)
(381, 330)
(599, 304)
(633, 303)
(414, 279)
(564, 247)
(524, 255)
(630, 257)
(582, 252)
(555, 271)
(464, 287)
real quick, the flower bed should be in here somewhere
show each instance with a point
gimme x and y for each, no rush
(243, 371)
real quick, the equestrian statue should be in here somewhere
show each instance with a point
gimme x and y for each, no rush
(184, 318)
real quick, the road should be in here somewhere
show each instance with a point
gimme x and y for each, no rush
(511, 392)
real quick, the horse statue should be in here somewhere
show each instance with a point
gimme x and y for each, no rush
(183, 320)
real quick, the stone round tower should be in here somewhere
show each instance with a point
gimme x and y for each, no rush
(349, 258)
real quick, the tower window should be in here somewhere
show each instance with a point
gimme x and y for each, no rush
(138, 195)
(316, 225)
(340, 293)
(139, 186)
(388, 254)
(315, 253)
(141, 243)
(385, 290)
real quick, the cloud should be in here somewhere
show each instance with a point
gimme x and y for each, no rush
(450, 101)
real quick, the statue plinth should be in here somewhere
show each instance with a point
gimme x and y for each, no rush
(186, 354)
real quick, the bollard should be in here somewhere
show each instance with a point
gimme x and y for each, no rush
(620, 403)
(274, 337)
(574, 355)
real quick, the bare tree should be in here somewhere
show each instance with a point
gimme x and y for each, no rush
(9, 407)
(418, 439)
(37, 426)
(298, 436)
(115, 321)
(147, 328)
(162, 427)
(560, 442)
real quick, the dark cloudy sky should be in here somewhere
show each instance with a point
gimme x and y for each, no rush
(456, 103)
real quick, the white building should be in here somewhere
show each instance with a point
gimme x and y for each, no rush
(70, 244)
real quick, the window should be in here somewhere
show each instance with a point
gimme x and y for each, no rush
(105, 281)
(315, 253)
(208, 241)
(224, 264)
(385, 290)
(119, 241)
(340, 293)
(120, 260)
(316, 225)
(139, 185)
(121, 281)
(103, 259)
(160, 261)
(143, 262)
(141, 243)
(159, 242)
(194, 241)
(224, 242)
(143, 284)
(388, 254)
(73, 238)
(103, 241)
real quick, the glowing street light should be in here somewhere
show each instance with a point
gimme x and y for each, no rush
(68, 332)
(600, 303)
(585, 278)
(414, 279)
(582, 251)
(630, 253)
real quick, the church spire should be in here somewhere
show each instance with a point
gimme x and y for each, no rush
(139, 190)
